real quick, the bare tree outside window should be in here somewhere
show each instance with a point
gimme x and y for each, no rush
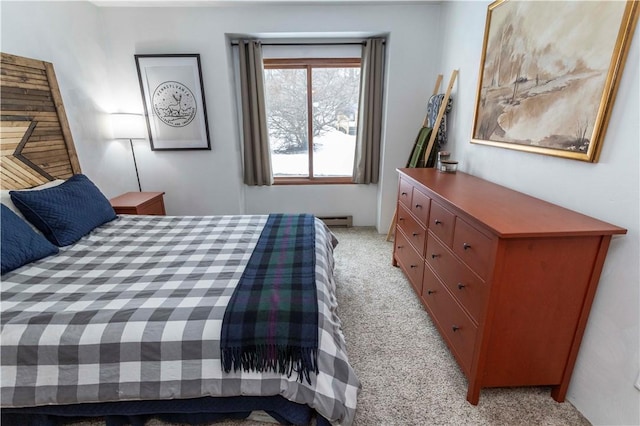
(321, 92)
(286, 94)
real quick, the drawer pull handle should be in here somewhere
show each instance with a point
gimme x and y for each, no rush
(418, 206)
(455, 328)
(461, 286)
(466, 246)
(434, 256)
(430, 291)
(400, 247)
(437, 222)
(404, 193)
(401, 218)
(413, 266)
(415, 234)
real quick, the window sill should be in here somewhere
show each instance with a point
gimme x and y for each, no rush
(316, 181)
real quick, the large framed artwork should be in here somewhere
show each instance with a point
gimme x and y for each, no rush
(173, 98)
(549, 74)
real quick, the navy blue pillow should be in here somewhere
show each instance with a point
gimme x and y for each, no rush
(67, 212)
(20, 243)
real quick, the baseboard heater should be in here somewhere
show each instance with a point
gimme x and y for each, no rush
(344, 221)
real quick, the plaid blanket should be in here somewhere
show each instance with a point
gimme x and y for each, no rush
(271, 321)
(133, 311)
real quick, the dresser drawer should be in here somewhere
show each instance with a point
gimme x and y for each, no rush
(462, 282)
(457, 328)
(473, 247)
(414, 232)
(410, 261)
(404, 193)
(420, 204)
(441, 222)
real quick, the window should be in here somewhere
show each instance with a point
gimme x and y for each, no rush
(312, 116)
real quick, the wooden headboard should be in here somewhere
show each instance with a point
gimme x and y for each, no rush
(35, 139)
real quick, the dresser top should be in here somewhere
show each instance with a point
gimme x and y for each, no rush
(507, 212)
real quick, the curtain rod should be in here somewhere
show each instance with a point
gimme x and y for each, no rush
(352, 43)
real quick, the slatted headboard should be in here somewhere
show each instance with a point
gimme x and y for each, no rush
(35, 139)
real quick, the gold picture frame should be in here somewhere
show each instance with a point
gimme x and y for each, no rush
(549, 75)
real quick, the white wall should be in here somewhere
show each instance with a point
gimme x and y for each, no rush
(92, 50)
(101, 41)
(602, 386)
(66, 35)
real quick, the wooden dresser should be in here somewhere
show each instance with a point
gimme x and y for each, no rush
(508, 279)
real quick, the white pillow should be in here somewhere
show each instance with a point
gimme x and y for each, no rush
(5, 198)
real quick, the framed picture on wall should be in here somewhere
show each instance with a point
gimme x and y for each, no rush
(549, 74)
(173, 97)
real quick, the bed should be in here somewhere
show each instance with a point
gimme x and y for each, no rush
(124, 317)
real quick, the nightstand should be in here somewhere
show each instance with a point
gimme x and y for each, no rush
(141, 203)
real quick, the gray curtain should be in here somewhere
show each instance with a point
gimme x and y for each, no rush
(256, 153)
(366, 167)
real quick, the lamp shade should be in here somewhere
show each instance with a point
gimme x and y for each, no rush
(128, 126)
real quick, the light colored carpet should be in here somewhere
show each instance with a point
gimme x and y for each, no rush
(408, 375)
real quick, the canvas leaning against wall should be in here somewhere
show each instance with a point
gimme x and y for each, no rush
(549, 75)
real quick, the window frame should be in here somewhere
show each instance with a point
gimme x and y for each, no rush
(308, 64)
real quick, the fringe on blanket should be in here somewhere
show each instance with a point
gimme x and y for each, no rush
(280, 359)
